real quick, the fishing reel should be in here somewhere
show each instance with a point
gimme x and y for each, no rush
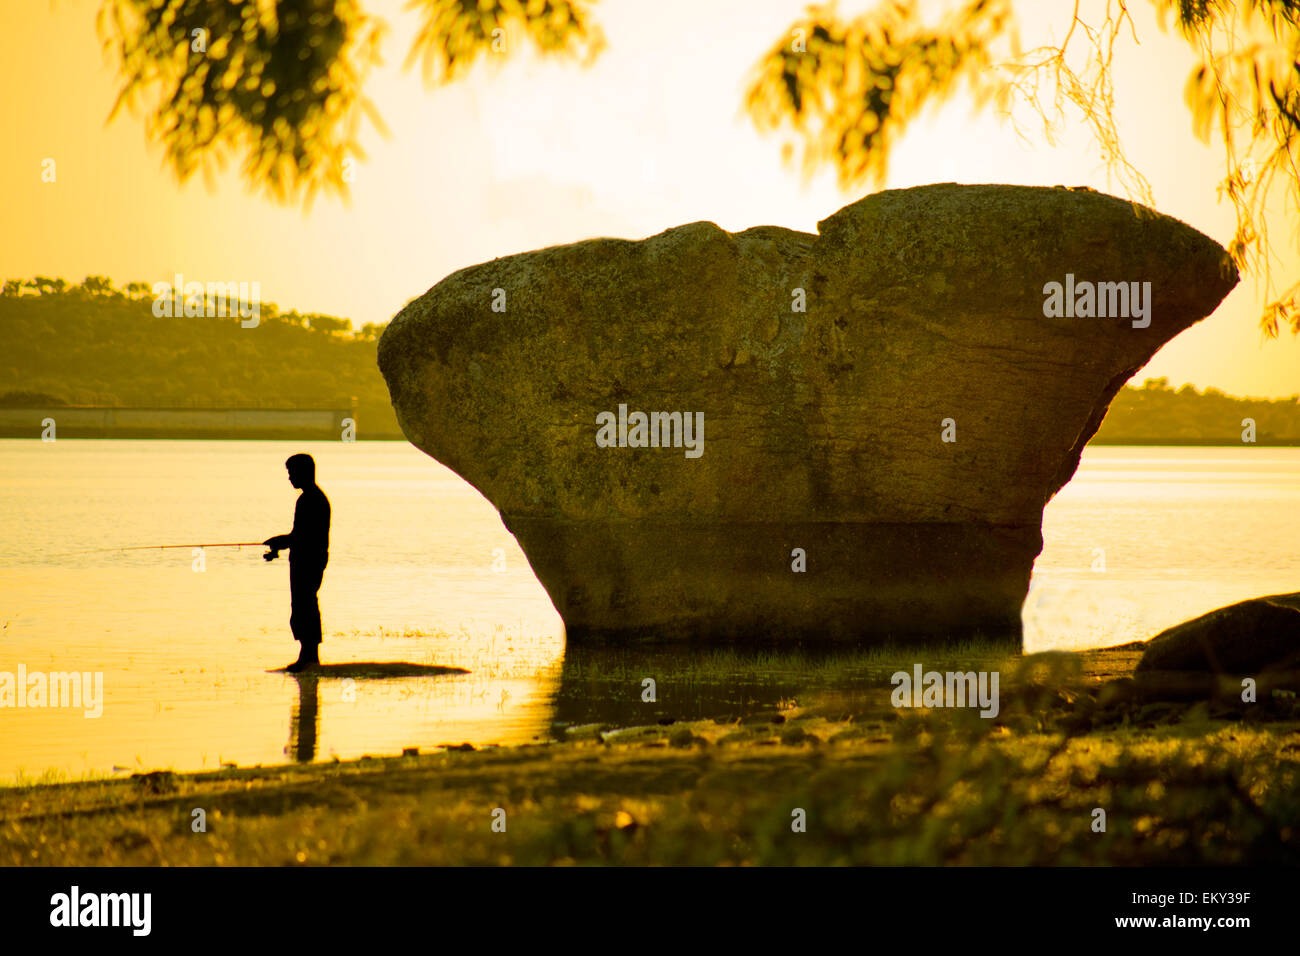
(271, 555)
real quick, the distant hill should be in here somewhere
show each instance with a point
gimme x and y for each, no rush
(1157, 414)
(92, 343)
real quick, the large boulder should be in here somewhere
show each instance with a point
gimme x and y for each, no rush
(897, 397)
(1262, 634)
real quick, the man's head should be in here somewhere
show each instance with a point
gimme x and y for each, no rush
(302, 471)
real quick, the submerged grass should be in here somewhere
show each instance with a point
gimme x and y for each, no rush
(1180, 782)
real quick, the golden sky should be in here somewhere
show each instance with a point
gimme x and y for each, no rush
(525, 153)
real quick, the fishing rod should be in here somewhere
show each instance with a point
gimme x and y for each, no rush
(160, 547)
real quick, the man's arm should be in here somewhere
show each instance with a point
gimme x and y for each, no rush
(281, 542)
(277, 544)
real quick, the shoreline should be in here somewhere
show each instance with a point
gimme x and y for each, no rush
(877, 785)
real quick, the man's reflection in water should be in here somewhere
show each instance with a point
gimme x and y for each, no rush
(305, 719)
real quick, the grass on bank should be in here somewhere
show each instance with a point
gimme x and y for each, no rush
(1181, 782)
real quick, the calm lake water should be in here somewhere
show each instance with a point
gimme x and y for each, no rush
(422, 570)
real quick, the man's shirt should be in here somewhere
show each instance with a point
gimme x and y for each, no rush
(310, 538)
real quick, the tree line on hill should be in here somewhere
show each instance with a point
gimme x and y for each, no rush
(1157, 413)
(94, 343)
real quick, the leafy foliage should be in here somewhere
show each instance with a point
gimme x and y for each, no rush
(454, 33)
(1247, 88)
(848, 89)
(278, 82)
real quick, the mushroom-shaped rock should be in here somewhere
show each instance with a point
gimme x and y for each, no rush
(775, 436)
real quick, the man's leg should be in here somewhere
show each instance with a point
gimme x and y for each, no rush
(304, 617)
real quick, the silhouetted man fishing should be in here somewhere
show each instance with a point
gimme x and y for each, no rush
(309, 545)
